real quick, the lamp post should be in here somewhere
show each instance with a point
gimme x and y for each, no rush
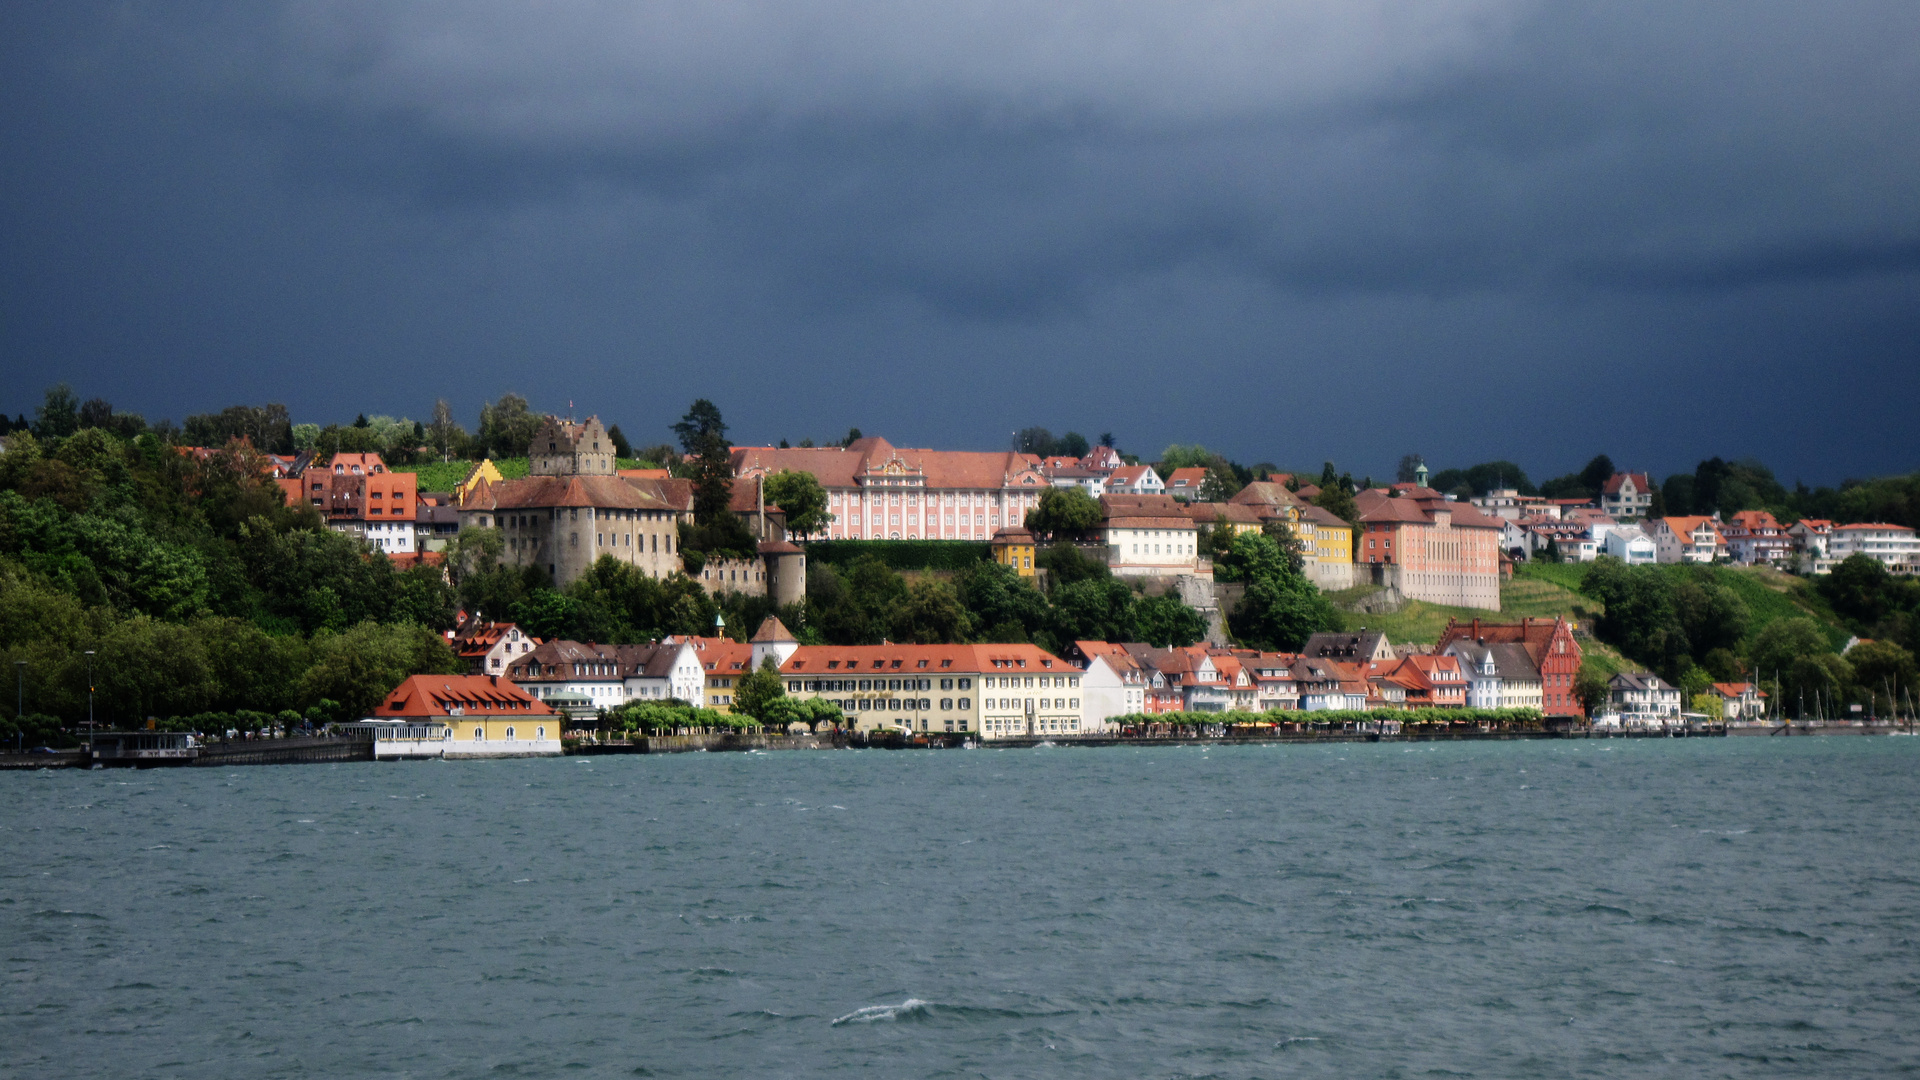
(90, 726)
(19, 704)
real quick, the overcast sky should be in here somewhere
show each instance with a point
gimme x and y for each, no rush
(1292, 231)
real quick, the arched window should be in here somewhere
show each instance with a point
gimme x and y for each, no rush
(479, 734)
(509, 734)
(540, 733)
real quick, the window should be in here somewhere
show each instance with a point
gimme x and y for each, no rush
(966, 703)
(479, 734)
(946, 704)
(946, 684)
(509, 734)
(965, 684)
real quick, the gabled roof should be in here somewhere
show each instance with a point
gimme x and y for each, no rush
(1686, 526)
(1163, 510)
(1186, 479)
(1536, 634)
(1735, 689)
(1877, 526)
(1619, 479)
(1266, 493)
(1510, 661)
(1344, 645)
(541, 492)
(846, 467)
(653, 660)
(436, 696)
(1231, 513)
(854, 661)
(1638, 680)
(1130, 475)
(772, 630)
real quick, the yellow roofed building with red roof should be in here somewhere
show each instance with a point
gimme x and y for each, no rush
(458, 716)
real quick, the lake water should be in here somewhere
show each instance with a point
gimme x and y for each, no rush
(1687, 908)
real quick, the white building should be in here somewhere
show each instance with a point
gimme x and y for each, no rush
(1113, 684)
(1631, 545)
(1135, 480)
(670, 669)
(568, 668)
(1627, 496)
(1642, 697)
(1893, 546)
(1499, 676)
(1148, 534)
(1687, 539)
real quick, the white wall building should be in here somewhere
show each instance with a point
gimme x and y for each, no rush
(1893, 546)
(1631, 545)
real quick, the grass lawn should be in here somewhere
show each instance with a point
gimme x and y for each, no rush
(1520, 598)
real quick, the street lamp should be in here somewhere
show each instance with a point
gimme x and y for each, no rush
(19, 704)
(90, 727)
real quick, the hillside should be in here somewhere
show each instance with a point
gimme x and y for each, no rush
(1544, 590)
(1526, 595)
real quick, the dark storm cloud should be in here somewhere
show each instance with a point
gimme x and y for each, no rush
(1443, 195)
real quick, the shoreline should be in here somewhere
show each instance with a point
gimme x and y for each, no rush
(333, 751)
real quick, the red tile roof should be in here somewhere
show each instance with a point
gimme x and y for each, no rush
(846, 467)
(435, 696)
(857, 660)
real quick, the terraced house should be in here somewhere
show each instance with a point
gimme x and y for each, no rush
(996, 691)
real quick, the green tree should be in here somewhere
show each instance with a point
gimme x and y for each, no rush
(1163, 620)
(507, 426)
(1095, 609)
(1220, 483)
(703, 435)
(1281, 608)
(1337, 499)
(1590, 687)
(1064, 514)
(998, 598)
(1065, 565)
(358, 667)
(756, 692)
(59, 415)
(1883, 671)
(1072, 444)
(931, 613)
(1795, 653)
(801, 497)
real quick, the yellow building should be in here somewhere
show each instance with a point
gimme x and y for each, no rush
(1013, 546)
(994, 691)
(485, 471)
(1327, 542)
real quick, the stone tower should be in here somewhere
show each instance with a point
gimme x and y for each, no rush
(565, 448)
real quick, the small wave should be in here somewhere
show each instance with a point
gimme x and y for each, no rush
(1295, 1039)
(912, 1007)
(62, 913)
(1606, 909)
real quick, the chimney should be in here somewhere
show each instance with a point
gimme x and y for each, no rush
(1476, 627)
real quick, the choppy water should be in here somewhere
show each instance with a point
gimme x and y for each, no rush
(1736, 907)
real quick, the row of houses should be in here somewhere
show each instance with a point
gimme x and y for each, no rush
(1746, 538)
(972, 688)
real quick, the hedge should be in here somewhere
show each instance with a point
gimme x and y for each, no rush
(901, 554)
(1502, 717)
